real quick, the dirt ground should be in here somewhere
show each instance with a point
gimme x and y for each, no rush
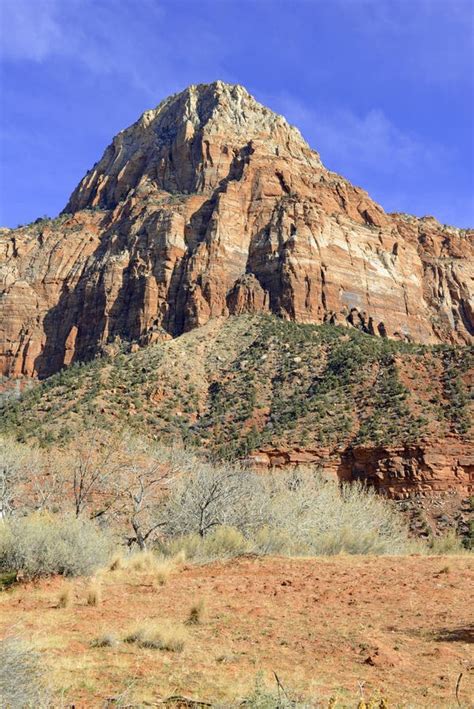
(398, 628)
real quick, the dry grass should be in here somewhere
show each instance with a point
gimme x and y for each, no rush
(94, 594)
(180, 558)
(22, 676)
(147, 563)
(105, 640)
(397, 625)
(65, 597)
(448, 543)
(164, 569)
(117, 563)
(166, 636)
(142, 561)
(196, 613)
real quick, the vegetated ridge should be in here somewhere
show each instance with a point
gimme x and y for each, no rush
(395, 414)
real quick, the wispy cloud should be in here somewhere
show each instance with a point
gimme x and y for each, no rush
(432, 40)
(369, 140)
(31, 30)
(111, 37)
(399, 128)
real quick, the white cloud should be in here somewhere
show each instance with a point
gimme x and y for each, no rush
(137, 40)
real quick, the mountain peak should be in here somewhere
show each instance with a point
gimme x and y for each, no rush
(216, 206)
(187, 144)
(216, 102)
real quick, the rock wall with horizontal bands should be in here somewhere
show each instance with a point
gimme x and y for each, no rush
(212, 205)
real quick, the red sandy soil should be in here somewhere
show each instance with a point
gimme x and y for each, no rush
(398, 628)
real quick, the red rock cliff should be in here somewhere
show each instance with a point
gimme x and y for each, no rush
(212, 205)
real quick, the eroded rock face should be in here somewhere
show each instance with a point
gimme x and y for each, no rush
(399, 472)
(212, 205)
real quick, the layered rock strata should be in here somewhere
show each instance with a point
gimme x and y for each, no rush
(398, 472)
(212, 205)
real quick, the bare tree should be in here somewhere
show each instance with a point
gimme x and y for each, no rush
(20, 465)
(209, 496)
(148, 479)
(142, 505)
(94, 464)
(12, 463)
(30, 478)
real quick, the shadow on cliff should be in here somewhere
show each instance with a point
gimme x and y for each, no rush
(181, 314)
(82, 307)
(80, 323)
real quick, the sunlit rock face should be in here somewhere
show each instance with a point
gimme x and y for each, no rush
(212, 205)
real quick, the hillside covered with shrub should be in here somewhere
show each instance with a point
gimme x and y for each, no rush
(246, 383)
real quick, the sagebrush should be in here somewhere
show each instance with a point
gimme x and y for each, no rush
(42, 545)
(22, 677)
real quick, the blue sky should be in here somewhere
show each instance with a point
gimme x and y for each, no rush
(383, 89)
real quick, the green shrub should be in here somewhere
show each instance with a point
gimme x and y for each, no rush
(42, 545)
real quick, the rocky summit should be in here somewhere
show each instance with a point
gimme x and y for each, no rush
(212, 205)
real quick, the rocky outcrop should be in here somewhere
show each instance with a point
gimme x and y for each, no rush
(212, 205)
(399, 472)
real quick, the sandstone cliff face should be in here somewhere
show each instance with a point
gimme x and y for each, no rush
(398, 472)
(212, 205)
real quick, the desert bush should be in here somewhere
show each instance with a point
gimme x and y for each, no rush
(179, 557)
(187, 545)
(94, 594)
(270, 541)
(293, 512)
(163, 573)
(221, 542)
(262, 697)
(41, 545)
(105, 640)
(21, 676)
(157, 565)
(224, 542)
(196, 613)
(321, 517)
(142, 561)
(65, 597)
